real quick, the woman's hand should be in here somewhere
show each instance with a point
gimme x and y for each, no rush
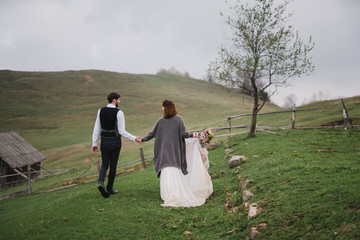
(195, 135)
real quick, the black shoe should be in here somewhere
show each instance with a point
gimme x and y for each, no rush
(112, 191)
(103, 192)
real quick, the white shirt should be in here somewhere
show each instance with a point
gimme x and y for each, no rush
(120, 124)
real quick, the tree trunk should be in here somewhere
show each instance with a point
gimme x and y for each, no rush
(254, 117)
(255, 107)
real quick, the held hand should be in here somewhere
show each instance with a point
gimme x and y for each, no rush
(94, 149)
(138, 139)
(195, 135)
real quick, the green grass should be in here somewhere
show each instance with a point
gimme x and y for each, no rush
(303, 193)
(53, 110)
(134, 213)
(56, 109)
(314, 118)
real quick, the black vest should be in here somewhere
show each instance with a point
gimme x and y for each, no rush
(108, 121)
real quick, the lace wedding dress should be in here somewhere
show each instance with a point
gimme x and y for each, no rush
(191, 190)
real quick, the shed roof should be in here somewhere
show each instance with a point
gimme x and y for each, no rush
(16, 152)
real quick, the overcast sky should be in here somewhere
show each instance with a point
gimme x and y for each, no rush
(143, 36)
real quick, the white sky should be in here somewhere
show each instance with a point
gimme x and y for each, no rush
(142, 36)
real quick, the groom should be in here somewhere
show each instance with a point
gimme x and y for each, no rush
(110, 124)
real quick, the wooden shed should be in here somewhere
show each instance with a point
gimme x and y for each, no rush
(16, 157)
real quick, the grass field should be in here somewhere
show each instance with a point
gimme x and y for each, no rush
(54, 110)
(304, 193)
(306, 182)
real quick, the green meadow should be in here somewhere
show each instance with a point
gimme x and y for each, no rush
(306, 182)
(54, 110)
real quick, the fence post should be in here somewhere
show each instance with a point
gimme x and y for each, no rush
(229, 127)
(346, 115)
(346, 119)
(293, 118)
(29, 179)
(142, 158)
(98, 165)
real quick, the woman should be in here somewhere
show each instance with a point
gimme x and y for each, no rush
(170, 161)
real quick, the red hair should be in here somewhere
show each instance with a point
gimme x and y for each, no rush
(169, 108)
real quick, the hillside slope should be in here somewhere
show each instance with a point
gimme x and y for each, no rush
(301, 191)
(55, 111)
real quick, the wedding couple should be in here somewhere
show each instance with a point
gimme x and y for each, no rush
(181, 165)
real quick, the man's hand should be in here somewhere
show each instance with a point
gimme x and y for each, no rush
(94, 149)
(138, 139)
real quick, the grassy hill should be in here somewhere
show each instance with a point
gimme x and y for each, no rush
(55, 111)
(306, 181)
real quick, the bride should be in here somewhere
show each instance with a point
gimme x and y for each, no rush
(181, 164)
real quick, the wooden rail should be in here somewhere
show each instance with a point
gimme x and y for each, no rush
(26, 175)
(293, 111)
(285, 111)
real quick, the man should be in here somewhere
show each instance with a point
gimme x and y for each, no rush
(110, 124)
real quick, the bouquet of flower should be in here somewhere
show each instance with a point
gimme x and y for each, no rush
(205, 137)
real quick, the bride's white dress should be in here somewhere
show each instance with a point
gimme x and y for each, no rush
(191, 190)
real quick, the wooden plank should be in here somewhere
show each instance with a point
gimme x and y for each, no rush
(224, 128)
(221, 128)
(129, 163)
(22, 192)
(9, 175)
(293, 118)
(346, 115)
(285, 111)
(46, 169)
(22, 160)
(264, 130)
(29, 179)
(229, 128)
(24, 176)
(83, 172)
(142, 158)
(286, 128)
(226, 135)
(98, 165)
(56, 189)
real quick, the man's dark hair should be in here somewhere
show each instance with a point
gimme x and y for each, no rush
(113, 95)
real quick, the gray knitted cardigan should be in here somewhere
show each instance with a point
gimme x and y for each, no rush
(169, 147)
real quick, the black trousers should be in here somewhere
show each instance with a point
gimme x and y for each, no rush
(110, 151)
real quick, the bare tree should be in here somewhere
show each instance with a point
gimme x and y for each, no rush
(208, 77)
(265, 52)
(173, 71)
(316, 97)
(289, 101)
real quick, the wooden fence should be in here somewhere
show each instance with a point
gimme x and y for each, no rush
(142, 160)
(293, 111)
(26, 175)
